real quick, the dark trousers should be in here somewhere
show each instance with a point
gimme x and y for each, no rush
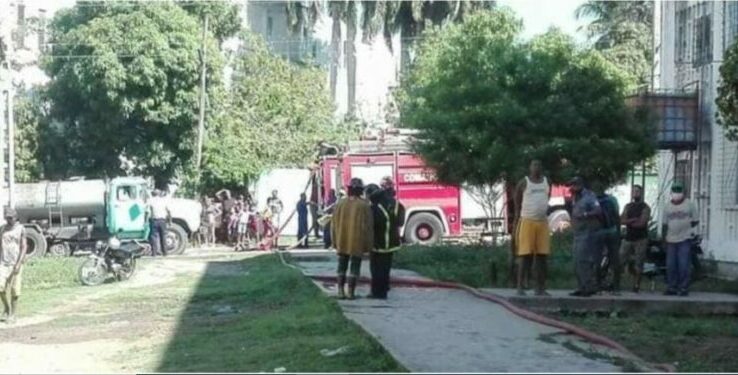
(158, 237)
(678, 261)
(327, 236)
(380, 266)
(611, 247)
(343, 265)
(587, 253)
(314, 221)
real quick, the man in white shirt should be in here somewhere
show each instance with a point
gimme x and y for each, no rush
(160, 216)
(679, 217)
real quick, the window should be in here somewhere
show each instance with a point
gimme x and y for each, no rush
(21, 15)
(270, 26)
(41, 29)
(731, 20)
(683, 173)
(703, 41)
(126, 193)
(681, 36)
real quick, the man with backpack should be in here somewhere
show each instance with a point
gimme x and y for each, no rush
(609, 238)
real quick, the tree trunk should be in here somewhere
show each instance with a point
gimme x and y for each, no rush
(351, 66)
(336, 54)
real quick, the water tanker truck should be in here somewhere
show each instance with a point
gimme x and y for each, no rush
(67, 216)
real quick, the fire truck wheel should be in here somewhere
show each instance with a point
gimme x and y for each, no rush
(423, 229)
(35, 243)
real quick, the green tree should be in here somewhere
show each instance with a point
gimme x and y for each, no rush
(29, 120)
(223, 19)
(486, 102)
(124, 83)
(727, 99)
(623, 31)
(275, 115)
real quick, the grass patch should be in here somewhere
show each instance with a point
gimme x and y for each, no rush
(267, 317)
(485, 266)
(693, 344)
(51, 273)
(48, 282)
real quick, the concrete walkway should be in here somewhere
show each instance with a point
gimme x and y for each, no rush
(437, 330)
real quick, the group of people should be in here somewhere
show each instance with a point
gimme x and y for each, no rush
(237, 222)
(600, 247)
(367, 220)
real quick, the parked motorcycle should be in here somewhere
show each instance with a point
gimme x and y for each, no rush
(655, 264)
(112, 259)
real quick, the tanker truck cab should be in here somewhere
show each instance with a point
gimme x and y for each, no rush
(127, 212)
(68, 216)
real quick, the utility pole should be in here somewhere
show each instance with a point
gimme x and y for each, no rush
(203, 72)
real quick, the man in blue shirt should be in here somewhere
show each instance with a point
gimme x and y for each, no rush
(585, 219)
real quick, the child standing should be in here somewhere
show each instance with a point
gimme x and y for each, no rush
(243, 227)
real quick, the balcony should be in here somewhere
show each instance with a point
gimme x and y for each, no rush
(676, 117)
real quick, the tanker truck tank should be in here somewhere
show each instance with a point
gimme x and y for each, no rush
(76, 200)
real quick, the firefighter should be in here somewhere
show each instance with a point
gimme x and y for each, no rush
(389, 216)
(352, 234)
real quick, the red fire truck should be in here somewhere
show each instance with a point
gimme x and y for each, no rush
(433, 210)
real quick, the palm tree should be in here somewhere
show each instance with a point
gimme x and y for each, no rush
(302, 16)
(410, 19)
(623, 31)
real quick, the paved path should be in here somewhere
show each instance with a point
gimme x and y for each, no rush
(437, 330)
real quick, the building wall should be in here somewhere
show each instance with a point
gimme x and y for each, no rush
(689, 57)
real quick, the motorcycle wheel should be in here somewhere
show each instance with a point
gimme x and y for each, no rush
(126, 272)
(93, 272)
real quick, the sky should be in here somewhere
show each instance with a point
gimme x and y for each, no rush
(539, 15)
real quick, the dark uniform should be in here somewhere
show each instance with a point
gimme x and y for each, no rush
(389, 216)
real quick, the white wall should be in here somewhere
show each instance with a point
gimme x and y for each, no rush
(715, 189)
(289, 183)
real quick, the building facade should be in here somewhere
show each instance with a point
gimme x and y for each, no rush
(377, 68)
(691, 38)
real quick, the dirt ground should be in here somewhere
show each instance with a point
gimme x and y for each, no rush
(104, 329)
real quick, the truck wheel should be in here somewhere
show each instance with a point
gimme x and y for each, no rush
(559, 220)
(35, 243)
(176, 239)
(424, 229)
(59, 250)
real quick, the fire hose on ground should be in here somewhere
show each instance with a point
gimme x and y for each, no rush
(490, 297)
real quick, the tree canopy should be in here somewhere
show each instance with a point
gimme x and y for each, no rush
(124, 82)
(274, 116)
(486, 102)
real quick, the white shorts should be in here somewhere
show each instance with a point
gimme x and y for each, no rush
(4, 274)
